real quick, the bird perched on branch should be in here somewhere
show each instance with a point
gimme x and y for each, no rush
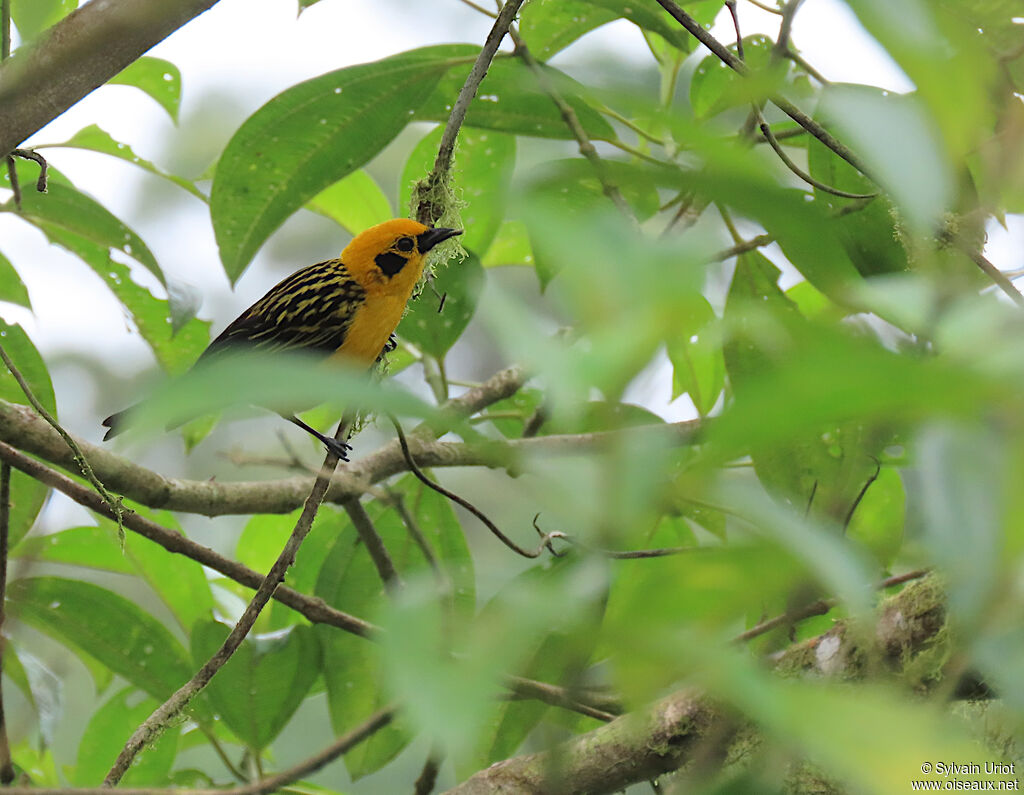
(342, 309)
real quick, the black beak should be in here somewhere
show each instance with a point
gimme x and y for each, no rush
(432, 237)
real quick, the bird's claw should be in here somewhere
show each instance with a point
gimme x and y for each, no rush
(336, 448)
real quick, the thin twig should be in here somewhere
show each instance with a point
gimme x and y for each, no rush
(414, 530)
(583, 142)
(481, 9)
(765, 7)
(117, 509)
(600, 708)
(991, 271)
(6, 767)
(5, 29)
(788, 14)
(316, 610)
(742, 248)
(164, 714)
(820, 607)
(414, 468)
(12, 176)
(804, 64)
(814, 128)
(34, 156)
(860, 495)
(343, 744)
(773, 142)
(427, 210)
(373, 542)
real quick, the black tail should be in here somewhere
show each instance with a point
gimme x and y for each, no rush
(114, 424)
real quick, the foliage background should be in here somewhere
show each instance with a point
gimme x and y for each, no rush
(896, 358)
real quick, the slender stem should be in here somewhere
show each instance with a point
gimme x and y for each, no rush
(743, 248)
(114, 502)
(6, 766)
(773, 142)
(427, 209)
(640, 131)
(992, 272)
(343, 744)
(218, 749)
(704, 37)
(164, 714)
(765, 7)
(316, 610)
(481, 9)
(820, 607)
(373, 542)
(583, 142)
(427, 779)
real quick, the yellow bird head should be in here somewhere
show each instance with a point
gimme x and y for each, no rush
(389, 257)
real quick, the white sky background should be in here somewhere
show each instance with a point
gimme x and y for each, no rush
(252, 50)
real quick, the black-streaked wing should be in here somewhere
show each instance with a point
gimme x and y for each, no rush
(311, 310)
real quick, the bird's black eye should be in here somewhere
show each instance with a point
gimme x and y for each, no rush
(405, 244)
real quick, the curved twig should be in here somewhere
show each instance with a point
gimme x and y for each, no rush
(427, 211)
(773, 142)
(114, 502)
(155, 724)
(614, 554)
(414, 468)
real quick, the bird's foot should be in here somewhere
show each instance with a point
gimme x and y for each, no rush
(340, 449)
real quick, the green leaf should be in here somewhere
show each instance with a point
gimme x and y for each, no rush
(962, 495)
(11, 287)
(69, 210)
(152, 316)
(157, 77)
(896, 138)
(260, 687)
(309, 137)
(95, 139)
(716, 87)
(27, 494)
(696, 356)
(548, 26)
(484, 162)
(107, 732)
(511, 246)
(349, 580)
(354, 203)
(436, 332)
(89, 547)
(106, 626)
(510, 100)
(32, 17)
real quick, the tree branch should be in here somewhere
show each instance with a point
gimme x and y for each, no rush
(21, 429)
(695, 29)
(156, 723)
(6, 768)
(316, 610)
(687, 725)
(427, 210)
(79, 54)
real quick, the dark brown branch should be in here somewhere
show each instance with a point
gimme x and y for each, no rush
(20, 428)
(372, 541)
(35, 157)
(316, 610)
(156, 723)
(990, 270)
(427, 209)
(695, 29)
(79, 54)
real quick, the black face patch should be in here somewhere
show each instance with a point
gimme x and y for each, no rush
(405, 244)
(390, 262)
